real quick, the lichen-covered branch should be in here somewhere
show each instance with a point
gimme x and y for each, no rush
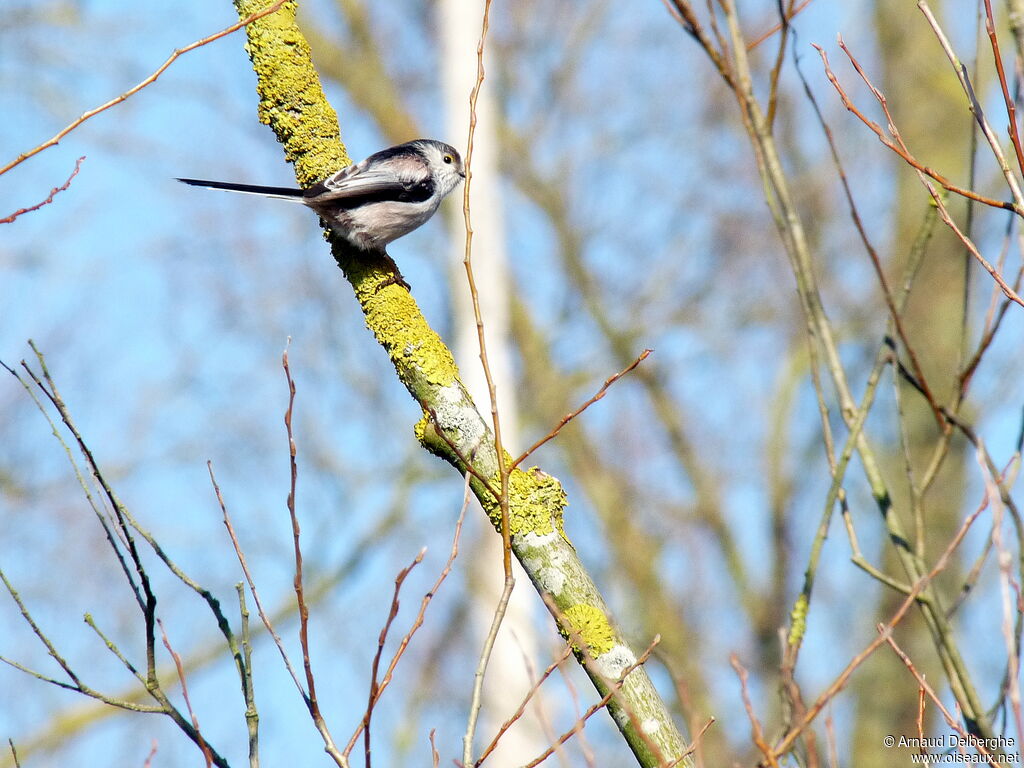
(292, 103)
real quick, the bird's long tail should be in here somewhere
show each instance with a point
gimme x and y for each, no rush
(281, 193)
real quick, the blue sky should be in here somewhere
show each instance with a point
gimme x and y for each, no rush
(163, 312)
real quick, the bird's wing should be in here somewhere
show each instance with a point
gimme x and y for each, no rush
(362, 183)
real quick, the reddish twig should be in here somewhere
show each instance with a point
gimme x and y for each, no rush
(792, 14)
(139, 86)
(381, 639)
(570, 416)
(146, 764)
(921, 702)
(925, 688)
(184, 693)
(695, 744)
(899, 148)
(300, 599)
(522, 706)
(613, 688)
(53, 193)
(786, 742)
(417, 623)
(755, 724)
(1011, 108)
(435, 757)
(876, 263)
(830, 740)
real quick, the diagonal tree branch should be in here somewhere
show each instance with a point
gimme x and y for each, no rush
(292, 103)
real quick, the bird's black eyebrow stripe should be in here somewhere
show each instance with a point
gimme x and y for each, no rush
(409, 192)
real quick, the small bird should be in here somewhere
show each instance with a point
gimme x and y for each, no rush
(376, 201)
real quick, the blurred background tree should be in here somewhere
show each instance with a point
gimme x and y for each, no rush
(635, 217)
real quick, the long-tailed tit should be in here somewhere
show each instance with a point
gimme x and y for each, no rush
(386, 196)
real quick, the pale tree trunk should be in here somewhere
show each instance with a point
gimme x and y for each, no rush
(507, 681)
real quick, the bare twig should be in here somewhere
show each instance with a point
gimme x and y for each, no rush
(786, 743)
(481, 669)
(790, 15)
(613, 688)
(435, 757)
(418, 622)
(1011, 107)
(1009, 591)
(149, 757)
(53, 193)
(886, 634)
(503, 469)
(695, 744)
(321, 726)
(184, 693)
(899, 148)
(566, 652)
(138, 87)
(252, 715)
(975, 106)
(755, 725)
(381, 639)
(300, 598)
(570, 416)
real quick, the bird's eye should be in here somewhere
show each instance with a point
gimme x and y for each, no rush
(449, 159)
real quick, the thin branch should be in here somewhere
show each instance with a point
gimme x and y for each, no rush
(503, 469)
(381, 639)
(184, 692)
(975, 106)
(613, 688)
(757, 732)
(418, 622)
(150, 756)
(786, 743)
(138, 87)
(570, 416)
(252, 585)
(790, 15)
(481, 669)
(1009, 591)
(902, 151)
(886, 634)
(566, 652)
(300, 598)
(1011, 108)
(899, 149)
(53, 193)
(252, 717)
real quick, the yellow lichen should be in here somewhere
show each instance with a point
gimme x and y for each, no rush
(592, 626)
(798, 620)
(292, 101)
